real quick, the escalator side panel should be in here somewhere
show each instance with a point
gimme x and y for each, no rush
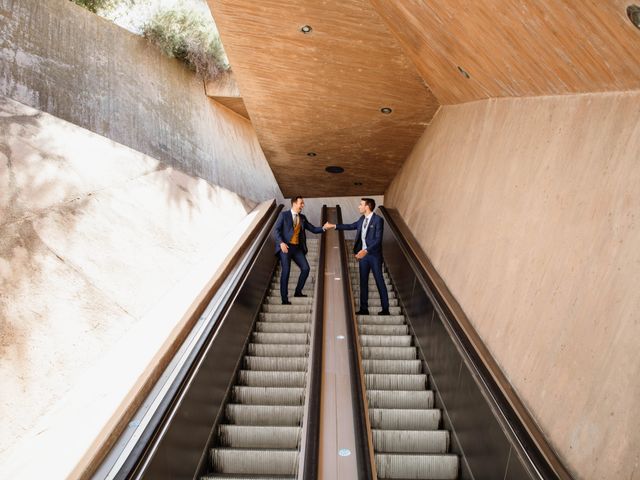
(477, 436)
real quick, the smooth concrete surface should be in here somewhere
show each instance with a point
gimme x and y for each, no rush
(60, 58)
(101, 251)
(528, 208)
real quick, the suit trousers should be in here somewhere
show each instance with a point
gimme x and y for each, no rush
(297, 255)
(372, 263)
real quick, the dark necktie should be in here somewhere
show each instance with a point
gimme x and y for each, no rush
(366, 224)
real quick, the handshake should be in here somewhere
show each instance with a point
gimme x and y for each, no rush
(328, 226)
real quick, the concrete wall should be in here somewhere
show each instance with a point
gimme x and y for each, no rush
(88, 249)
(530, 211)
(60, 58)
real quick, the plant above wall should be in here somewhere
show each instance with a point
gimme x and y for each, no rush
(96, 6)
(190, 36)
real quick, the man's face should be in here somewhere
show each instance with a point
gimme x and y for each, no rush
(299, 205)
(362, 208)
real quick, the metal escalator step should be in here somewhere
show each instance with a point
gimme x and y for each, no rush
(228, 476)
(385, 340)
(257, 462)
(267, 395)
(285, 317)
(392, 366)
(388, 381)
(399, 399)
(282, 327)
(277, 350)
(276, 300)
(243, 436)
(275, 364)
(411, 441)
(268, 308)
(390, 353)
(366, 329)
(281, 338)
(376, 302)
(395, 310)
(373, 293)
(381, 319)
(252, 378)
(404, 419)
(275, 291)
(411, 466)
(264, 415)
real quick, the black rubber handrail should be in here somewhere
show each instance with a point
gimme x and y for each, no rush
(134, 463)
(312, 439)
(524, 432)
(363, 451)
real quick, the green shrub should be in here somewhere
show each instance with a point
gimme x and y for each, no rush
(96, 6)
(190, 36)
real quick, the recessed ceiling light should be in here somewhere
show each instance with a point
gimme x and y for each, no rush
(311, 154)
(334, 169)
(633, 12)
(386, 110)
(357, 184)
(463, 72)
(306, 29)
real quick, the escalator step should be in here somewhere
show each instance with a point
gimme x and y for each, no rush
(243, 436)
(400, 399)
(276, 300)
(274, 291)
(404, 419)
(395, 310)
(282, 327)
(267, 395)
(385, 340)
(285, 317)
(388, 381)
(277, 350)
(411, 441)
(275, 364)
(380, 320)
(264, 415)
(252, 378)
(288, 309)
(392, 366)
(411, 466)
(365, 329)
(249, 461)
(225, 476)
(376, 302)
(390, 353)
(282, 338)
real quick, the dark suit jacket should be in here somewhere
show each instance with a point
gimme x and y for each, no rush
(375, 229)
(284, 230)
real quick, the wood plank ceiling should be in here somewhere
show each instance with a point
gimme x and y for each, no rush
(514, 48)
(322, 92)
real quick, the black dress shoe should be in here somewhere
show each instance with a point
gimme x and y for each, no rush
(300, 295)
(286, 302)
(362, 312)
(384, 312)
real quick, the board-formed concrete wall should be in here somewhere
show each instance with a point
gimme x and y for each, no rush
(60, 58)
(530, 211)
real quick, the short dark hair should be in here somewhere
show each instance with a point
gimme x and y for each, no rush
(295, 199)
(369, 201)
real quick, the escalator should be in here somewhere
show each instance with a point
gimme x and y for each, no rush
(260, 434)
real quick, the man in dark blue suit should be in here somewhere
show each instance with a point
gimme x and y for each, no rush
(291, 244)
(368, 250)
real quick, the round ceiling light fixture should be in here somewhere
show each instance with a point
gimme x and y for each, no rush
(463, 72)
(311, 154)
(306, 29)
(357, 184)
(386, 110)
(633, 12)
(334, 169)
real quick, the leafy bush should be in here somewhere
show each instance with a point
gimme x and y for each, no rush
(190, 36)
(98, 5)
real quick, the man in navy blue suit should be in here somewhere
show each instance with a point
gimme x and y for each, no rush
(291, 244)
(368, 251)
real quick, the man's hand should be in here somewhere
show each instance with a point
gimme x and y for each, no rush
(284, 247)
(361, 254)
(328, 226)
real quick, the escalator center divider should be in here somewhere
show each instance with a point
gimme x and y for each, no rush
(362, 427)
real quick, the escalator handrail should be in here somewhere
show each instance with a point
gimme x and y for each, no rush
(312, 436)
(364, 444)
(164, 397)
(522, 428)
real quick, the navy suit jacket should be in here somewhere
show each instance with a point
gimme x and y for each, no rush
(284, 230)
(375, 229)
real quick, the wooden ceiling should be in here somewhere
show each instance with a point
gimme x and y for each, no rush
(322, 92)
(514, 48)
